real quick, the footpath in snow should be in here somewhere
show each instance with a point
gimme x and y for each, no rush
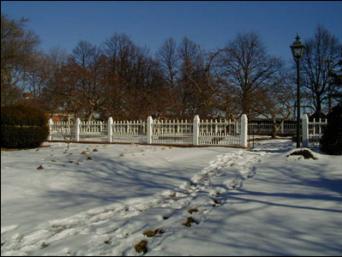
(240, 203)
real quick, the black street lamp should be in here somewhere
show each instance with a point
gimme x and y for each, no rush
(297, 49)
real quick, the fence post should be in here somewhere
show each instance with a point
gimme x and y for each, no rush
(237, 127)
(282, 127)
(244, 131)
(149, 130)
(196, 130)
(305, 130)
(50, 129)
(77, 129)
(110, 130)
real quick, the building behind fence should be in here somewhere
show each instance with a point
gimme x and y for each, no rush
(182, 132)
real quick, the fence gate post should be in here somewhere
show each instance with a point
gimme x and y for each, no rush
(196, 130)
(110, 130)
(244, 131)
(149, 130)
(236, 127)
(282, 127)
(77, 129)
(50, 129)
(305, 130)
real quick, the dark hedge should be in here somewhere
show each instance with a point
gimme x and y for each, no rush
(23, 126)
(331, 141)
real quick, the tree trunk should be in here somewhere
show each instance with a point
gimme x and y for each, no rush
(318, 105)
(274, 128)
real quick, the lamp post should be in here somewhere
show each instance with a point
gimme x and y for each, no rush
(297, 49)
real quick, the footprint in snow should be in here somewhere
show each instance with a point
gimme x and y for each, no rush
(252, 172)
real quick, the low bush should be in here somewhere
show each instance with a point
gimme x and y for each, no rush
(23, 126)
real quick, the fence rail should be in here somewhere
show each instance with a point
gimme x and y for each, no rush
(183, 132)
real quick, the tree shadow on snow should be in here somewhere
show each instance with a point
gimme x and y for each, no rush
(113, 180)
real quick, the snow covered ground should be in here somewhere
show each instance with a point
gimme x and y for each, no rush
(100, 199)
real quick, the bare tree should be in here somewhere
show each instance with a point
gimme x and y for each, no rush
(192, 61)
(85, 53)
(248, 67)
(18, 45)
(275, 101)
(36, 76)
(321, 55)
(168, 59)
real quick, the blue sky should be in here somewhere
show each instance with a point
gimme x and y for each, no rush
(211, 24)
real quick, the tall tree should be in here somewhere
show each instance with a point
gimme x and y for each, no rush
(248, 68)
(168, 59)
(275, 102)
(322, 53)
(191, 63)
(18, 46)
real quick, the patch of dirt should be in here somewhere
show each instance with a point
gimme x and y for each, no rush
(44, 245)
(189, 222)
(192, 210)
(107, 242)
(141, 247)
(305, 153)
(217, 202)
(152, 233)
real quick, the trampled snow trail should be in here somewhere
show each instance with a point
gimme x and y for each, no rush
(115, 229)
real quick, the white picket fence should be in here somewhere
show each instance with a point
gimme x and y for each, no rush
(222, 132)
(312, 131)
(174, 132)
